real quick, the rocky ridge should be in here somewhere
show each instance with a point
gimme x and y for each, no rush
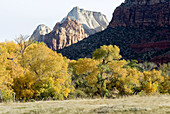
(139, 27)
(141, 2)
(142, 13)
(40, 32)
(65, 34)
(92, 21)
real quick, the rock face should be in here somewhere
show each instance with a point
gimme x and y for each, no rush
(142, 13)
(141, 29)
(142, 2)
(65, 34)
(143, 44)
(92, 21)
(40, 32)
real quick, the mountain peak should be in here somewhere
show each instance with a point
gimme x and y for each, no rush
(40, 32)
(76, 8)
(92, 21)
(41, 25)
(141, 30)
(67, 22)
(65, 34)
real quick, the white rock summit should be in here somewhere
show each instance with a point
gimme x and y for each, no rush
(92, 21)
(40, 32)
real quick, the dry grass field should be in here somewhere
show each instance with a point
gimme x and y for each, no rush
(126, 105)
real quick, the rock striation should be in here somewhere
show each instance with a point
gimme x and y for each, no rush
(144, 2)
(65, 34)
(40, 32)
(142, 44)
(92, 21)
(142, 13)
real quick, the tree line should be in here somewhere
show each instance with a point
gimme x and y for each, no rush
(33, 71)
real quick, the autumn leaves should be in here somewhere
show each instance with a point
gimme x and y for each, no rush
(106, 71)
(39, 73)
(36, 72)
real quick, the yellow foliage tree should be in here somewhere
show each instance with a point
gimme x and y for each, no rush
(5, 79)
(106, 56)
(49, 70)
(151, 80)
(3, 72)
(85, 71)
(164, 87)
(105, 71)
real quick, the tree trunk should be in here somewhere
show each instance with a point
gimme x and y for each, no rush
(102, 92)
(13, 97)
(1, 96)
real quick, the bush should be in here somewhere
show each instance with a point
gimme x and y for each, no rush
(7, 95)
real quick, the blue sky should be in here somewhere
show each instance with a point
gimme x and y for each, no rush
(23, 16)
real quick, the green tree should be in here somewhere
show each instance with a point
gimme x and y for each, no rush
(106, 71)
(107, 56)
(165, 85)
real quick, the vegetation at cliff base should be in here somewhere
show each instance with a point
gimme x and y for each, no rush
(31, 71)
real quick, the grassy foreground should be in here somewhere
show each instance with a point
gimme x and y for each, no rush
(126, 105)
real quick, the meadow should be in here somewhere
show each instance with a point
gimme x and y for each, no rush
(123, 105)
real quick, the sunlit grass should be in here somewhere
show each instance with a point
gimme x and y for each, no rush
(125, 105)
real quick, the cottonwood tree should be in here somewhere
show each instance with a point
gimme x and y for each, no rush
(3, 72)
(165, 85)
(23, 42)
(151, 81)
(106, 71)
(48, 70)
(5, 79)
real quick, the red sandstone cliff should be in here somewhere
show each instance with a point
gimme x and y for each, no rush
(142, 13)
(65, 34)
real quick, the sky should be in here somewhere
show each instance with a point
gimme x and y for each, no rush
(23, 16)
